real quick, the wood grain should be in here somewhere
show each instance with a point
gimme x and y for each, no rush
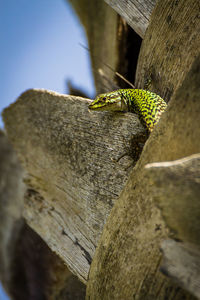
(170, 46)
(136, 13)
(181, 262)
(179, 202)
(77, 163)
(127, 258)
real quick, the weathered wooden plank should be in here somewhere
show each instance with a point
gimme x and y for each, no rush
(176, 191)
(23, 254)
(77, 163)
(136, 13)
(170, 46)
(12, 191)
(182, 263)
(175, 188)
(127, 258)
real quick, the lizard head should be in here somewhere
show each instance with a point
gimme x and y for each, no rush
(110, 102)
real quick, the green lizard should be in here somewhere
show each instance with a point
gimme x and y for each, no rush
(149, 106)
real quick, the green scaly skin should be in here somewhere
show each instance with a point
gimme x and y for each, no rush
(149, 106)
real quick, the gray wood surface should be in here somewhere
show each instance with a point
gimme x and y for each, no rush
(127, 258)
(182, 263)
(77, 163)
(170, 46)
(29, 269)
(136, 12)
(175, 188)
(12, 191)
(176, 191)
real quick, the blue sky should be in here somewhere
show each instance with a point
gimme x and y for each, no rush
(40, 49)
(3, 296)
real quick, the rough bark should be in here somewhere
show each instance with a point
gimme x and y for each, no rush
(136, 13)
(77, 163)
(127, 258)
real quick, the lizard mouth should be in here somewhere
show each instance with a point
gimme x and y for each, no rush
(97, 106)
(116, 106)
